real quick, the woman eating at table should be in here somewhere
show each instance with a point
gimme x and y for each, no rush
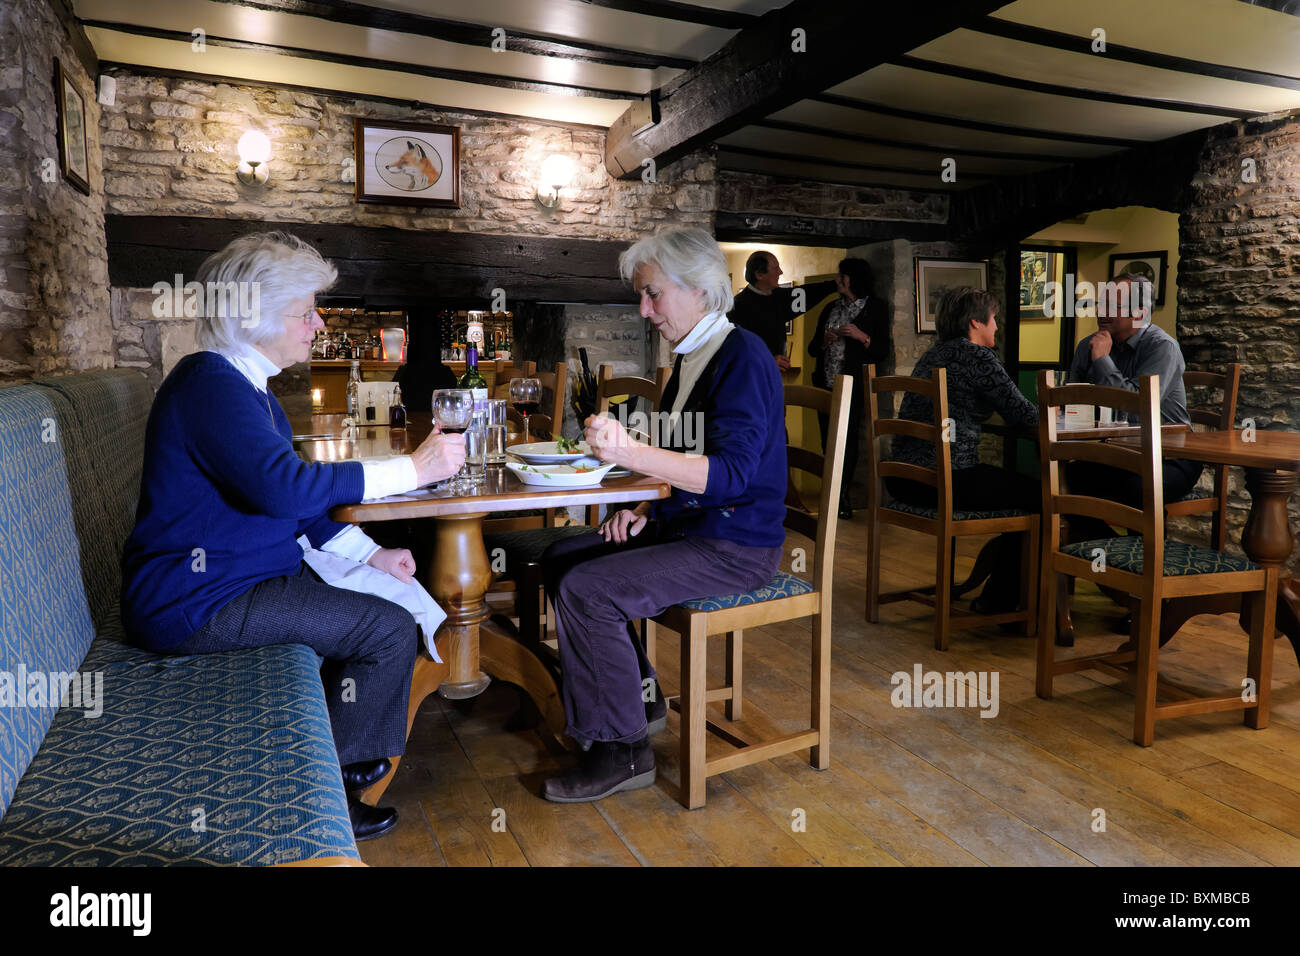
(978, 386)
(719, 532)
(214, 562)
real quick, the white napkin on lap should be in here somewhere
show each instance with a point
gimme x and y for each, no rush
(341, 572)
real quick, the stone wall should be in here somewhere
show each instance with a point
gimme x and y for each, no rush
(54, 299)
(612, 335)
(752, 192)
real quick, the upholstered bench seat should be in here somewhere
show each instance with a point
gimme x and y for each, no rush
(205, 760)
(782, 586)
(527, 545)
(933, 513)
(1125, 554)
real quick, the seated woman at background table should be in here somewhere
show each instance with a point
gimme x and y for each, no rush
(978, 386)
(214, 562)
(720, 532)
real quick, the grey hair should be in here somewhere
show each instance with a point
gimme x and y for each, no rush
(1140, 294)
(249, 284)
(689, 257)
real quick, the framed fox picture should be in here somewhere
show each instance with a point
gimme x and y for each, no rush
(407, 164)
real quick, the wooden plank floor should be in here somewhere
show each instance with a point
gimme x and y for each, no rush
(907, 786)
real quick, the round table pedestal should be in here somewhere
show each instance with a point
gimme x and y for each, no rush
(459, 575)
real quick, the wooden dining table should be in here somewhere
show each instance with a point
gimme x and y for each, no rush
(474, 648)
(1271, 460)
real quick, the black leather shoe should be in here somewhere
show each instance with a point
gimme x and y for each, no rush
(369, 822)
(656, 712)
(358, 776)
(986, 605)
(605, 769)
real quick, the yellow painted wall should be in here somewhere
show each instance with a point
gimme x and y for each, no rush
(1135, 229)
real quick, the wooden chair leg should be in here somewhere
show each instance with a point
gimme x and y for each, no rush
(734, 674)
(873, 567)
(650, 641)
(693, 727)
(1029, 577)
(1259, 666)
(943, 592)
(820, 755)
(1048, 589)
(1147, 671)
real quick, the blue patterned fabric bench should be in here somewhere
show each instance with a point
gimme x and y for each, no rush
(210, 760)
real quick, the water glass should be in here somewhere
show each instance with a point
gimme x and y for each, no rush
(496, 431)
(475, 448)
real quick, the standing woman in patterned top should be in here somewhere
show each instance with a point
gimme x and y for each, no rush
(978, 386)
(851, 333)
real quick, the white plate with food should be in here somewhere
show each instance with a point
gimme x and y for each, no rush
(559, 476)
(551, 452)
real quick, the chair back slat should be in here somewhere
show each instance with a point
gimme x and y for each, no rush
(652, 390)
(901, 469)
(1148, 521)
(805, 460)
(1222, 417)
(939, 477)
(903, 426)
(824, 527)
(801, 522)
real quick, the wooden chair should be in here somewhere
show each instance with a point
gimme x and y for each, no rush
(945, 524)
(650, 391)
(786, 598)
(1215, 501)
(1144, 565)
(550, 421)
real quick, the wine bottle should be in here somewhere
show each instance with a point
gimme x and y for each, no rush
(354, 391)
(397, 411)
(474, 381)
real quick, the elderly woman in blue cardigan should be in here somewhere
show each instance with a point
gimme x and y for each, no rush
(214, 562)
(720, 531)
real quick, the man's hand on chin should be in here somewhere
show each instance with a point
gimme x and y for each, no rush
(1100, 345)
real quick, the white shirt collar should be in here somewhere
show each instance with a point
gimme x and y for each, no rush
(756, 290)
(252, 364)
(712, 324)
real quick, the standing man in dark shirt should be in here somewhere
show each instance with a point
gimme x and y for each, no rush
(763, 307)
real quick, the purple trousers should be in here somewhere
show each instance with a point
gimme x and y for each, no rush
(599, 588)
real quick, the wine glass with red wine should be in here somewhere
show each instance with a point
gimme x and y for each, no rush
(525, 396)
(453, 410)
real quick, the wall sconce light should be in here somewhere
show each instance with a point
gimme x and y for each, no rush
(254, 150)
(557, 172)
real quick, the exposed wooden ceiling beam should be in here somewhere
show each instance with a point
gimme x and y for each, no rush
(961, 122)
(1127, 54)
(389, 66)
(846, 164)
(810, 130)
(455, 31)
(758, 71)
(1079, 93)
(681, 12)
(806, 230)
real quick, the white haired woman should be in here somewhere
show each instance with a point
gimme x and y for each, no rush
(214, 562)
(720, 532)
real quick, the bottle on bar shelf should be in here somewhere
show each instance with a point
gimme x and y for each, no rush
(354, 392)
(473, 380)
(397, 411)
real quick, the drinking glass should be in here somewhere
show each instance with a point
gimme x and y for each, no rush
(525, 396)
(496, 431)
(475, 447)
(453, 410)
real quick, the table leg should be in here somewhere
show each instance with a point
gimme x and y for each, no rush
(458, 577)
(508, 659)
(1267, 541)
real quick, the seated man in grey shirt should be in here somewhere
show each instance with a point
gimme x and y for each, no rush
(1126, 346)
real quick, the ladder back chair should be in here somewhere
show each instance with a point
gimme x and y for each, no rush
(649, 390)
(1213, 502)
(785, 598)
(944, 523)
(556, 383)
(1144, 565)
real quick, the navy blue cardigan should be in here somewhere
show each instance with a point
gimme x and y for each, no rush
(223, 499)
(741, 405)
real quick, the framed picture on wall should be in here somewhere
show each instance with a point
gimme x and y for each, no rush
(407, 164)
(1153, 265)
(936, 276)
(1038, 267)
(70, 107)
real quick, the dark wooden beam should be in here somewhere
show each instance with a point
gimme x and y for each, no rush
(846, 164)
(461, 269)
(1073, 43)
(811, 231)
(757, 73)
(945, 150)
(389, 66)
(134, 69)
(456, 31)
(1079, 93)
(681, 12)
(961, 122)
(738, 170)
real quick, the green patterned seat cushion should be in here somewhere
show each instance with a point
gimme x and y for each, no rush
(45, 623)
(1125, 554)
(782, 586)
(933, 513)
(244, 737)
(101, 425)
(527, 545)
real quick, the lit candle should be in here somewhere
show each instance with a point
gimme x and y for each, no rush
(317, 399)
